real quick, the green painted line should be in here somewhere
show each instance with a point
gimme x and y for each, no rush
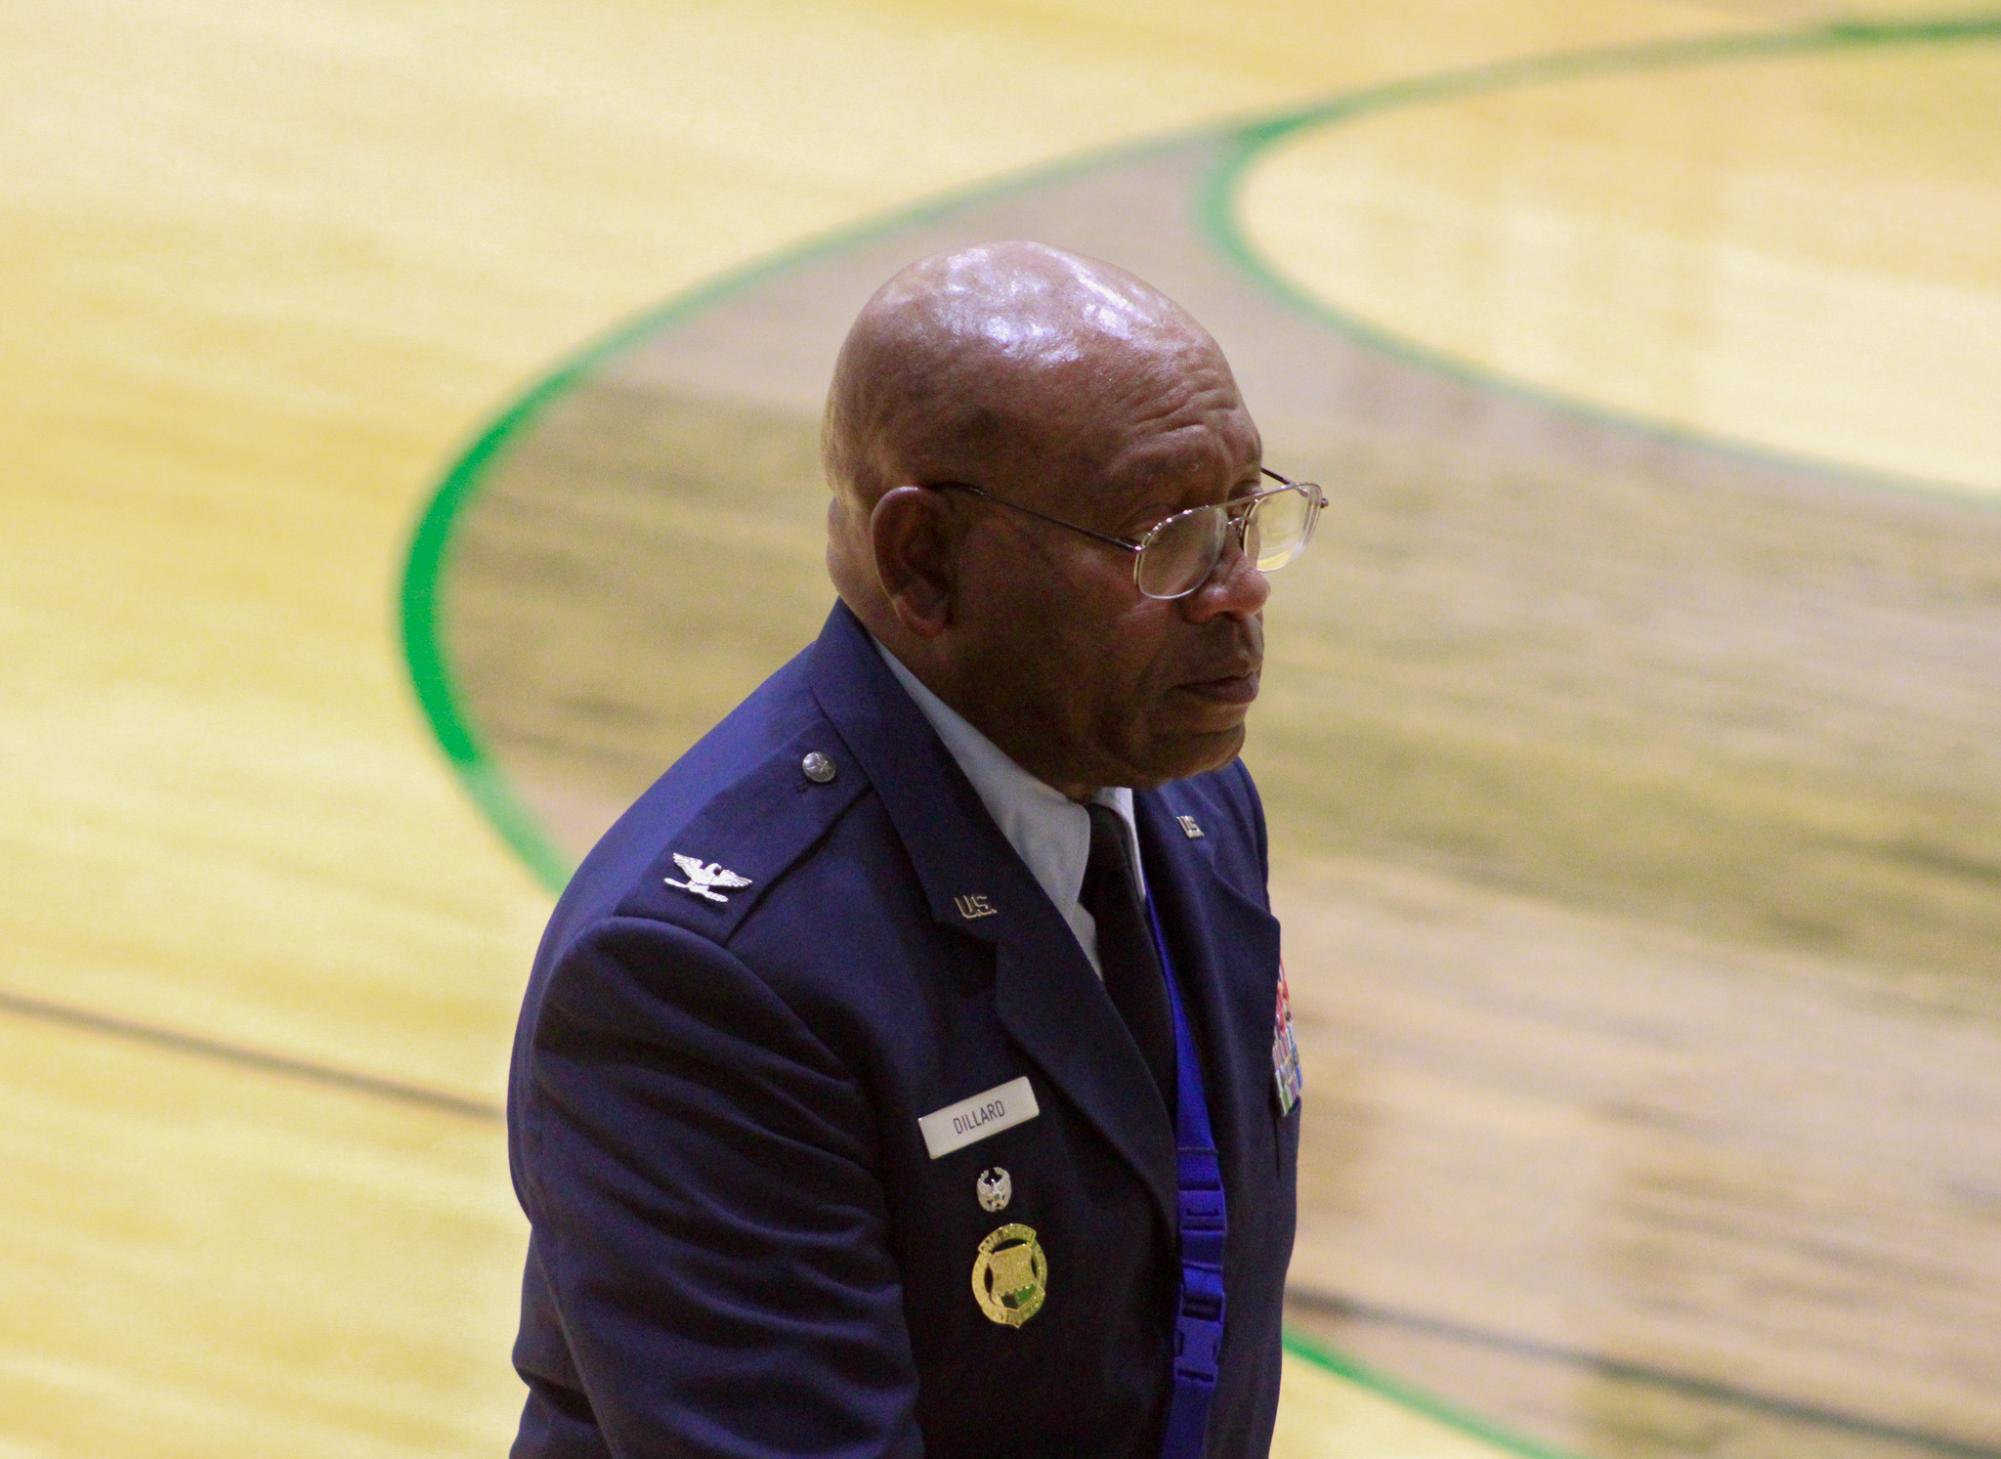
(1218, 209)
(423, 649)
(1415, 1400)
(431, 539)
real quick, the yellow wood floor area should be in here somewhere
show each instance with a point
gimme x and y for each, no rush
(1814, 239)
(265, 269)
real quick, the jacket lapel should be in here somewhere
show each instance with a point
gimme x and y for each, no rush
(1225, 947)
(1047, 996)
(1056, 1010)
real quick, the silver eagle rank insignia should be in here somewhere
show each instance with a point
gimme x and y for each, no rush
(702, 880)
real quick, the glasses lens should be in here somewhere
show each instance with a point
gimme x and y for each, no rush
(1280, 525)
(1180, 552)
(1183, 550)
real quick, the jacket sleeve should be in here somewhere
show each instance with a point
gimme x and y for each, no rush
(699, 1172)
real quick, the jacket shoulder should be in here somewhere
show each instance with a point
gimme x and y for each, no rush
(709, 839)
(712, 867)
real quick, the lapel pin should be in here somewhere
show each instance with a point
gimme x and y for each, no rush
(974, 905)
(1189, 829)
(995, 1188)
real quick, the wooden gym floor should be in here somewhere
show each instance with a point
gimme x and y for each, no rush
(386, 381)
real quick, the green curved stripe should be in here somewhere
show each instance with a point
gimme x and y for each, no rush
(1217, 204)
(1414, 1399)
(423, 650)
(431, 540)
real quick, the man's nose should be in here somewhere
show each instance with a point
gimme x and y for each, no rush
(1234, 588)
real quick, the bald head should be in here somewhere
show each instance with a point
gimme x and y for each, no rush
(992, 364)
(983, 390)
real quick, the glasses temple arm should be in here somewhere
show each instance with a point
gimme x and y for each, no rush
(1031, 511)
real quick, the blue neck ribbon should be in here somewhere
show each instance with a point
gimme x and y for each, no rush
(1198, 1321)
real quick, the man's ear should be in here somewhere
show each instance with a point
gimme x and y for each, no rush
(913, 558)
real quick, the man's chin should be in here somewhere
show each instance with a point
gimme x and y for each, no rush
(1192, 753)
(1197, 714)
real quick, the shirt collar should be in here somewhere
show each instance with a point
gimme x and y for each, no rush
(1049, 832)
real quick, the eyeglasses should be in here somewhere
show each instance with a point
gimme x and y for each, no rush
(1177, 554)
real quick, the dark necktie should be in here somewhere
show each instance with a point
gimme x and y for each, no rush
(1132, 971)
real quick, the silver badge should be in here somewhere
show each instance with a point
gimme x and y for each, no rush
(701, 878)
(1190, 829)
(995, 1189)
(817, 768)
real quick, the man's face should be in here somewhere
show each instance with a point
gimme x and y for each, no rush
(1062, 661)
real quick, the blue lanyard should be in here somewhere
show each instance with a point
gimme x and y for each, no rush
(1198, 1320)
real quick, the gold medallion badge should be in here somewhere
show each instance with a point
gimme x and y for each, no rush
(1010, 1275)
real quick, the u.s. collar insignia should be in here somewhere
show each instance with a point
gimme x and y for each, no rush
(1285, 1051)
(975, 905)
(1010, 1275)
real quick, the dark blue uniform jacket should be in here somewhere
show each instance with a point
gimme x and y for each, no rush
(740, 1245)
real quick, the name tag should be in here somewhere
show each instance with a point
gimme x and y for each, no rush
(958, 1125)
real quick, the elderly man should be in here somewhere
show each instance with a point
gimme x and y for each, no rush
(909, 1070)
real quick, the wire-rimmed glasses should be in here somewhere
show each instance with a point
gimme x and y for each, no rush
(1178, 553)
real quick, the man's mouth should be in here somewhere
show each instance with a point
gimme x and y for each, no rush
(1229, 689)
